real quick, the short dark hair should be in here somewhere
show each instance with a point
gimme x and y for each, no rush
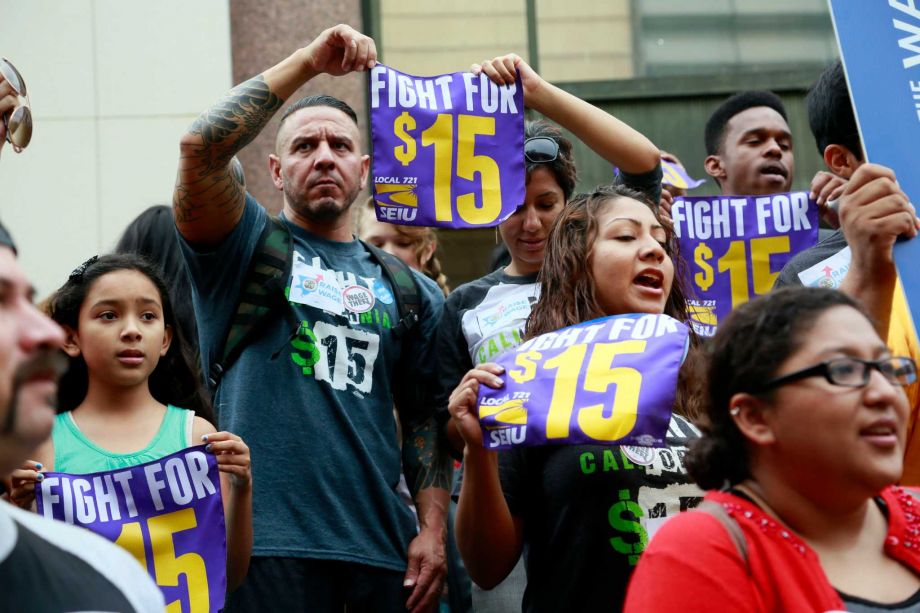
(830, 113)
(715, 126)
(318, 100)
(563, 167)
(748, 347)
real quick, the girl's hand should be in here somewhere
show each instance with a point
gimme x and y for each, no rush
(462, 403)
(24, 479)
(232, 456)
(501, 71)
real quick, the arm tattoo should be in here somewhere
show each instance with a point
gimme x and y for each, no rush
(425, 463)
(206, 178)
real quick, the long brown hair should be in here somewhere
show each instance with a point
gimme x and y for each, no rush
(568, 293)
(421, 238)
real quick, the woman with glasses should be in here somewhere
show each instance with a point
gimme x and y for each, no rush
(805, 438)
(486, 317)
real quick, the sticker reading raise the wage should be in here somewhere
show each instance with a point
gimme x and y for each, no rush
(610, 381)
(734, 247)
(166, 513)
(447, 150)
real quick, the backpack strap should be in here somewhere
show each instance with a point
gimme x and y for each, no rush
(261, 295)
(731, 526)
(405, 288)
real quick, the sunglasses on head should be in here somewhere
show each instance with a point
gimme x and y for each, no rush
(18, 122)
(540, 149)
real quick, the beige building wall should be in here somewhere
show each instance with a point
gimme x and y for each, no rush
(578, 40)
(113, 84)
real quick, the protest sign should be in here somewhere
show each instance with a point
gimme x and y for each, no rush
(167, 513)
(675, 175)
(609, 381)
(448, 150)
(734, 247)
(880, 49)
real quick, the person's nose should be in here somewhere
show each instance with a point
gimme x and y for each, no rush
(652, 250)
(773, 149)
(38, 331)
(131, 330)
(531, 220)
(879, 391)
(323, 158)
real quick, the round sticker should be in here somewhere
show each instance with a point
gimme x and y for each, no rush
(644, 456)
(358, 299)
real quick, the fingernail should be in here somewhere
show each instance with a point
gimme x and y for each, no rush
(408, 583)
(204, 438)
(40, 477)
(499, 381)
(501, 368)
(38, 466)
(208, 447)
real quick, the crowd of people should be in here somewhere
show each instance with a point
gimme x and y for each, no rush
(353, 470)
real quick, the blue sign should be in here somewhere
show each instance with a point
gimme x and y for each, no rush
(880, 47)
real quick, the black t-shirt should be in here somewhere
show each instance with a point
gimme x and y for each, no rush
(588, 512)
(50, 566)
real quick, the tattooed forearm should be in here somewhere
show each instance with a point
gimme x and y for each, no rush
(233, 122)
(210, 188)
(425, 463)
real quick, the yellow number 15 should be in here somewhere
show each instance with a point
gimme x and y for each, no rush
(601, 374)
(440, 136)
(167, 567)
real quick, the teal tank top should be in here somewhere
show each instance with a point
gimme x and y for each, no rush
(76, 454)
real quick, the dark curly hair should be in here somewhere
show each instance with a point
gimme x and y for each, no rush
(176, 379)
(748, 347)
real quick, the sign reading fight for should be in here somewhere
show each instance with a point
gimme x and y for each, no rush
(448, 150)
(167, 513)
(736, 246)
(609, 381)
(880, 48)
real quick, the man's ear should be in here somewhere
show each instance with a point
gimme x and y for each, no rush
(840, 161)
(365, 169)
(752, 417)
(714, 167)
(71, 342)
(274, 167)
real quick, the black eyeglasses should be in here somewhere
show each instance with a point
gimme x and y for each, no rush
(852, 372)
(540, 149)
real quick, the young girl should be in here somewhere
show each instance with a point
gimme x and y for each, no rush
(129, 372)
(584, 512)
(417, 246)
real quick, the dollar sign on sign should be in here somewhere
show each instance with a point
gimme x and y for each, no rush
(403, 123)
(701, 255)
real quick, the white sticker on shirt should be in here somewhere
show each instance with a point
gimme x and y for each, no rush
(499, 317)
(828, 273)
(347, 356)
(358, 299)
(316, 287)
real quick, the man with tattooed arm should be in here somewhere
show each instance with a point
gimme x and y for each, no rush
(312, 394)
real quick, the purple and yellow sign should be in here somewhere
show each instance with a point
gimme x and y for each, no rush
(607, 381)
(448, 150)
(675, 175)
(167, 513)
(734, 247)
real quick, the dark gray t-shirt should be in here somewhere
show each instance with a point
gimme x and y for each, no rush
(789, 275)
(313, 395)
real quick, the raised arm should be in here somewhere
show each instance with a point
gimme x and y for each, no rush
(489, 537)
(874, 212)
(208, 199)
(607, 136)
